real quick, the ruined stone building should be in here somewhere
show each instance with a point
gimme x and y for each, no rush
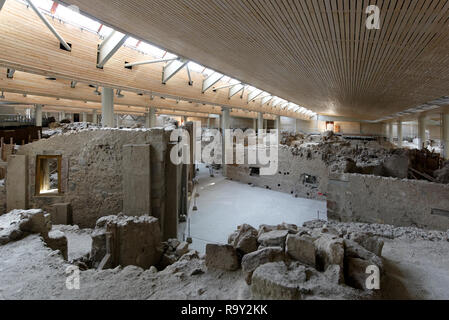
(221, 150)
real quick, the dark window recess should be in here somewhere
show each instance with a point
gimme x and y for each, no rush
(309, 179)
(254, 172)
(439, 212)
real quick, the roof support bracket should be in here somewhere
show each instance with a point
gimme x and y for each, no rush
(109, 47)
(211, 80)
(253, 95)
(64, 45)
(172, 68)
(235, 89)
(10, 73)
(188, 74)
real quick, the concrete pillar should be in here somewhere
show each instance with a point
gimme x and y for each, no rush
(107, 107)
(94, 116)
(400, 137)
(445, 134)
(152, 117)
(255, 124)
(208, 123)
(260, 121)
(118, 121)
(421, 131)
(61, 115)
(277, 126)
(38, 115)
(184, 120)
(390, 131)
(84, 116)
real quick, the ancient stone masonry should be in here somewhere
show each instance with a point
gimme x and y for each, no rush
(314, 261)
(371, 199)
(125, 240)
(92, 172)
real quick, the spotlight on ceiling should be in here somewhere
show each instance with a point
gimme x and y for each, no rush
(2, 96)
(119, 94)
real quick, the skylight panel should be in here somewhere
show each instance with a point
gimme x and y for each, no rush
(43, 4)
(71, 16)
(131, 42)
(151, 50)
(195, 67)
(105, 31)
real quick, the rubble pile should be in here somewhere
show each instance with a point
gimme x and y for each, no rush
(377, 158)
(18, 224)
(291, 262)
(381, 230)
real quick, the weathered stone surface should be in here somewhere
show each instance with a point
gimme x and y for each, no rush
(370, 243)
(275, 238)
(35, 221)
(61, 214)
(98, 250)
(56, 240)
(251, 261)
(354, 250)
(330, 251)
(223, 257)
(277, 281)
(397, 166)
(244, 239)
(182, 249)
(133, 240)
(302, 249)
(355, 273)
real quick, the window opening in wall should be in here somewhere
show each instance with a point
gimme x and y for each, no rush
(48, 175)
(254, 172)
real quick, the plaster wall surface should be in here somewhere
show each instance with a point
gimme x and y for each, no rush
(92, 171)
(136, 180)
(371, 199)
(16, 183)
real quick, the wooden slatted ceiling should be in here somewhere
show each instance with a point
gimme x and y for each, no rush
(318, 54)
(27, 45)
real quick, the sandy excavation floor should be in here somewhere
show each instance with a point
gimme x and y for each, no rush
(416, 269)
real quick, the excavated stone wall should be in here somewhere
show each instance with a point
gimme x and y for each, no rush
(300, 173)
(92, 171)
(371, 199)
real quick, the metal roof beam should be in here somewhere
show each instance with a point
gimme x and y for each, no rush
(211, 80)
(172, 68)
(109, 47)
(49, 26)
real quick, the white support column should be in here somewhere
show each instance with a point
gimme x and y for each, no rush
(118, 121)
(38, 115)
(62, 115)
(390, 132)
(84, 116)
(94, 116)
(107, 108)
(445, 135)
(152, 117)
(421, 132)
(277, 126)
(400, 137)
(184, 120)
(208, 123)
(260, 121)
